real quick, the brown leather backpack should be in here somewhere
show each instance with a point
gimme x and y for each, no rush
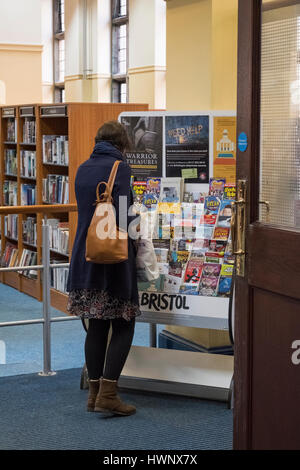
(105, 242)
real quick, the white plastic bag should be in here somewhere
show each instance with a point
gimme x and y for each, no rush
(146, 262)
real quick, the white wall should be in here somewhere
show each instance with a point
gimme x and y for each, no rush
(104, 37)
(20, 22)
(160, 33)
(73, 37)
(141, 33)
(47, 40)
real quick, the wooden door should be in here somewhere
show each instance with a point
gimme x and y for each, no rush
(267, 301)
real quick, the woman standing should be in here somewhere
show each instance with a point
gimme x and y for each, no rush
(105, 294)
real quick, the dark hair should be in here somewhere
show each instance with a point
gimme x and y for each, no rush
(115, 133)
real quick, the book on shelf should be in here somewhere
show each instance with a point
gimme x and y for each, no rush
(11, 162)
(28, 194)
(29, 130)
(28, 163)
(10, 256)
(56, 149)
(59, 277)
(59, 236)
(11, 134)
(28, 258)
(29, 231)
(11, 226)
(10, 193)
(56, 189)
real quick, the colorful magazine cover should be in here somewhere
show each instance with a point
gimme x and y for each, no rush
(225, 213)
(211, 269)
(171, 284)
(221, 233)
(229, 257)
(193, 271)
(189, 289)
(163, 268)
(201, 244)
(153, 186)
(192, 212)
(211, 210)
(192, 196)
(209, 286)
(218, 246)
(171, 190)
(204, 231)
(225, 280)
(152, 286)
(138, 189)
(224, 288)
(229, 191)
(210, 279)
(152, 193)
(182, 244)
(165, 214)
(161, 243)
(178, 261)
(216, 186)
(226, 270)
(184, 231)
(213, 257)
(161, 254)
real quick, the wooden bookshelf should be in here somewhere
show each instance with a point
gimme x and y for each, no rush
(78, 121)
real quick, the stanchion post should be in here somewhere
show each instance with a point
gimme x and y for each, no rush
(153, 335)
(46, 302)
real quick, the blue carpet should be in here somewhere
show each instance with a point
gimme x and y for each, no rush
(24, 343)
(49, 413)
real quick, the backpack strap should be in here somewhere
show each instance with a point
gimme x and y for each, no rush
(106, 196)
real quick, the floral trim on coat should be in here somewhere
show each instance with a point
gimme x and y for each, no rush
(93, 303)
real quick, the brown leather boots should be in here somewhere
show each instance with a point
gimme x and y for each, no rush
(104, 399)
(93, 392)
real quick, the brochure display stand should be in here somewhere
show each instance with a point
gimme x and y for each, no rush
(187, 155)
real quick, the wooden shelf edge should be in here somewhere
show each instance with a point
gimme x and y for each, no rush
(59, 300)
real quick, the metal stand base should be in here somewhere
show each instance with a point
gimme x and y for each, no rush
(175, 372)
(46, 374)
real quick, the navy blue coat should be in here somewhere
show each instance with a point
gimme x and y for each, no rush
(120, 279)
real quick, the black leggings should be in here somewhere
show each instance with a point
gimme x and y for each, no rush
(102, 363)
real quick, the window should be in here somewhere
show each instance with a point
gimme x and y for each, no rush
(119, 50)
(59, 49)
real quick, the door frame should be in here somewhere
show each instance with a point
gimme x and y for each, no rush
(248, 121)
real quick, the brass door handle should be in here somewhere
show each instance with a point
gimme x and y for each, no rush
(238, 222)
(235, 249)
